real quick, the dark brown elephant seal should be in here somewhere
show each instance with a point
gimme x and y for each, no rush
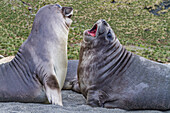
(112, 77)
(38, 71)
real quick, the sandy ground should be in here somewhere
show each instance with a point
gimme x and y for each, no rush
(72, 103)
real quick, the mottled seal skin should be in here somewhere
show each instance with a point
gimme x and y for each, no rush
(112, 77)
(38, 71)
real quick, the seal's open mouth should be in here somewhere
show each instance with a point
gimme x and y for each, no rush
(93, 31)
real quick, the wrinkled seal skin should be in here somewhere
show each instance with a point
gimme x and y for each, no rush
(38, 71)
(112, 77)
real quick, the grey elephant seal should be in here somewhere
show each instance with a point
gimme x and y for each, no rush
(38, 71)
(112, 77)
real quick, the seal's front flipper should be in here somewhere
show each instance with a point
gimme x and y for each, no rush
(96, 98)
(52, 90)
(75, 86)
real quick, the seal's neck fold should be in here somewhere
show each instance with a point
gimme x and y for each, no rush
(115, 60)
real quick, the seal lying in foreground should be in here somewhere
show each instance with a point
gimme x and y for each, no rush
(38, 71)
(112, 77)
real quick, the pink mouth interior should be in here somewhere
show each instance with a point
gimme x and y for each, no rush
(93, 31)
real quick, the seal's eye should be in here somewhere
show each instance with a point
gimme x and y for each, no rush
(109, 36)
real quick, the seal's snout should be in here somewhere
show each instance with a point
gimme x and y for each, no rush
(104, 22)
(93, 31)
(67, 11)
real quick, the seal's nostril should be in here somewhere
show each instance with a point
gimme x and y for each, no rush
(104, 22)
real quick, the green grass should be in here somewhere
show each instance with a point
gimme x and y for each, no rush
(133, 25)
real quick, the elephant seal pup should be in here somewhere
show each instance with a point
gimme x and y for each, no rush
(112, 77)
(38, 71)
